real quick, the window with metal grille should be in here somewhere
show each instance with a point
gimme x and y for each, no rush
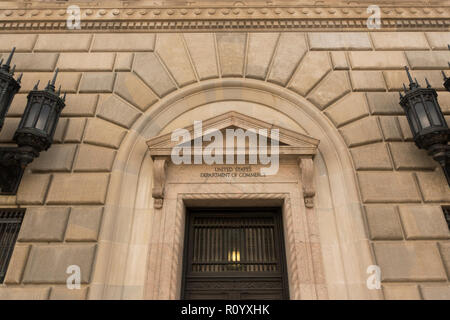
(10, 222)
(446, 210)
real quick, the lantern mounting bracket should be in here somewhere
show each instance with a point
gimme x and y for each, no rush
(441, 154)
(13, 161)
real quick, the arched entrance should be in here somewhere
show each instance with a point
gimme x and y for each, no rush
(127, 238)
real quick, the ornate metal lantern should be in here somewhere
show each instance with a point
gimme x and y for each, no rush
(8, 86)
(40, 118)
(34, 134)
(428, 126)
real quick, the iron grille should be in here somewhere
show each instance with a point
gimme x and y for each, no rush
(10, 222)
(234, 253)
(234, 244)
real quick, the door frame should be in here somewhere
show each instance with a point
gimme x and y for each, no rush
(165, 256)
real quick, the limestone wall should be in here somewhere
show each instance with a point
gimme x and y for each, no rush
(353, 78)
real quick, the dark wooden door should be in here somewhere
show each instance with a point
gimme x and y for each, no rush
(234, 254)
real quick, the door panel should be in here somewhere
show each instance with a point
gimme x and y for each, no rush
(234, 254)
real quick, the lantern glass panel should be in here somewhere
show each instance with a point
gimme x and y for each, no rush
(51, 123)
(413, 121)
(34, 111)
(43, 117)
(422, 115)
(433, 113)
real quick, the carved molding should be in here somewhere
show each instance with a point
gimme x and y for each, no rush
(226, 18)
(159, 181)
(229, 285)
(235, 196)
(299, 145)
(307, 174)
(293, 143)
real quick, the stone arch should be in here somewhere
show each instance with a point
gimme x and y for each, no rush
(124, 239)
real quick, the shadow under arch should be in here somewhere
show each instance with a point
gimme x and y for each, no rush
(120, 265)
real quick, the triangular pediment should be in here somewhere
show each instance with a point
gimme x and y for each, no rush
(290, 142)
(223, 133)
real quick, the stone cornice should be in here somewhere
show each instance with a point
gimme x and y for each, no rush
(226, 18)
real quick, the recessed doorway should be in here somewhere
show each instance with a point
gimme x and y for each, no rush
(234, 254)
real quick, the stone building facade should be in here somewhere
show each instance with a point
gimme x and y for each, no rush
(353, 188)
